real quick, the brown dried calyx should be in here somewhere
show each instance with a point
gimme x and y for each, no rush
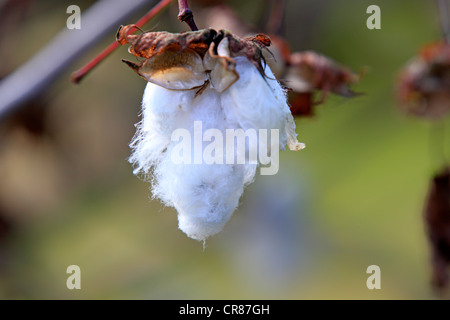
(190, 60)
(424, 83)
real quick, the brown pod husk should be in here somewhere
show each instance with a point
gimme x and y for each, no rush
(437, 221)
(424, 83)
(195, 57)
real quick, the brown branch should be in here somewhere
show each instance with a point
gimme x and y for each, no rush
(78, 75)
(33, 77)
(185, 15)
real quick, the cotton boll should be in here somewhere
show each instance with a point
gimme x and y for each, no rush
(195, 88)
(205, 195)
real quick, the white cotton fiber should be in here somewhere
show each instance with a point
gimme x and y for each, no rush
(205, 195)
(160, 108)
(260, 103)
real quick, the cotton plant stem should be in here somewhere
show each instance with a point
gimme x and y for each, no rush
(185, 14)
(78, 75)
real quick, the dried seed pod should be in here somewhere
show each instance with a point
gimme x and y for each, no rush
(302, 103)
(320, 73)
(437, 221)
(424, 83)
(308, 73)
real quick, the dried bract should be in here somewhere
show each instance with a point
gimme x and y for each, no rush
(177, 55)
(149, 44)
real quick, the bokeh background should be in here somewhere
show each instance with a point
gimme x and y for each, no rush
(353, 198)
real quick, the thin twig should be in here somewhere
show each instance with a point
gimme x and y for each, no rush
(78, 75)
(33, 77)
(185, 15)
(444, 19)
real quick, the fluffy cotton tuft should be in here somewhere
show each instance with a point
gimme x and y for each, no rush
(206, 195)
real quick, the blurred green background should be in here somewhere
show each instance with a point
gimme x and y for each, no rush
(353, 198)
